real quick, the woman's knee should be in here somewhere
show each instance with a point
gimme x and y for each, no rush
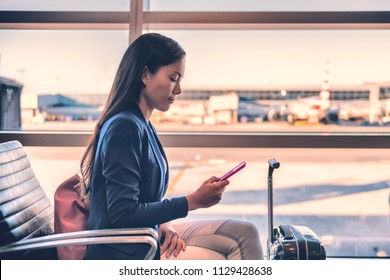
(241, 229)
(246, 236)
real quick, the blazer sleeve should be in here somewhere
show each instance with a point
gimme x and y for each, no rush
(121, 167)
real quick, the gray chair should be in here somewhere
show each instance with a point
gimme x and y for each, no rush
(27, 216)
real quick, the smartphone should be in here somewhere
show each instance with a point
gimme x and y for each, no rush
(232, 172)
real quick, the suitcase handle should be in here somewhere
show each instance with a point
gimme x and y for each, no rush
(273, 164)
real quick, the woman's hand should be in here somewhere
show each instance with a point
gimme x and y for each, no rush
(207, 195)
(172, 244)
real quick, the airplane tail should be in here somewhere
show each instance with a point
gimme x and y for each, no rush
(325, 90)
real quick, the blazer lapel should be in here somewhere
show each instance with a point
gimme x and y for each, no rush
(161, 149)
(156, 146)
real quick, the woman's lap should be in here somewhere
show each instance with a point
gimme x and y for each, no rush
(219, 239)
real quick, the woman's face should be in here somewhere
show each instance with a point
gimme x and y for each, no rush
(162, 87)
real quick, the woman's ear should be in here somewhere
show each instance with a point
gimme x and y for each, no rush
(145, 75)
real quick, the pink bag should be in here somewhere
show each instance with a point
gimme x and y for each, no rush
(70, 215)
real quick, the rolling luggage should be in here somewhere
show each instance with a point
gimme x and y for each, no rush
(290, 242)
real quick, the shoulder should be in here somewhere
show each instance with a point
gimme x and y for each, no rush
(125, 126)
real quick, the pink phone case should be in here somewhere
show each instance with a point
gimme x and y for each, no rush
(233, 171)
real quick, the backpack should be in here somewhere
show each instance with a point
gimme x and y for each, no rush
(70, 215)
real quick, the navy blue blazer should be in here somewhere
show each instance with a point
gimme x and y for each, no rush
(128, 185)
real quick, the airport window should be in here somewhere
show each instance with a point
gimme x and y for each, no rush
(264, 5)
(66, 74)
(261, 60)
(65, 5)
(384, 93)
(268, 74)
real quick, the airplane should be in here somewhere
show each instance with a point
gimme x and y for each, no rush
(363, 110)
(251, 111)
(312, 109)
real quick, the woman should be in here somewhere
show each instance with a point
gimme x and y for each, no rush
(127, 182)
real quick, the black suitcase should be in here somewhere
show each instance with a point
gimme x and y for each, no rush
(290, 242)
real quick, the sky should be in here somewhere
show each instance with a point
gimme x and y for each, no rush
(81, 61)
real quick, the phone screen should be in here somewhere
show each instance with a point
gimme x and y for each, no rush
(232, 172)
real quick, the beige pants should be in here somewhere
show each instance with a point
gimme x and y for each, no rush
(218, 240)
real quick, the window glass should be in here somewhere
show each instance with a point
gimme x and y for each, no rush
(196, 5)
(65, 5)
(341, 194)
(289, 80)
(266, 5)
(65, 74)
(235, 80)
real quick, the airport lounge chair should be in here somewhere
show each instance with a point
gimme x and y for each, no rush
(27, 216)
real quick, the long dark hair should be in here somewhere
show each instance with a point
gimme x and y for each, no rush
(150, 50)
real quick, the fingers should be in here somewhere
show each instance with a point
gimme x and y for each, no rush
(223, 183)
(172, 245)
(207, 195)
(184, 246)
(178, 248)
(165, 245)
(212, 180)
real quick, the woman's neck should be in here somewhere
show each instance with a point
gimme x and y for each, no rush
(146, 111)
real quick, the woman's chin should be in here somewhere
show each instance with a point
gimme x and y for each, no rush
(164, 108)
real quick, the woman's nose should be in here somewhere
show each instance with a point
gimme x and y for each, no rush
(177, 89)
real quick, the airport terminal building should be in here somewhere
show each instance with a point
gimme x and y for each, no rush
(89, 106)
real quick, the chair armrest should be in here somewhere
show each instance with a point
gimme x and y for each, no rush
(104, 236)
